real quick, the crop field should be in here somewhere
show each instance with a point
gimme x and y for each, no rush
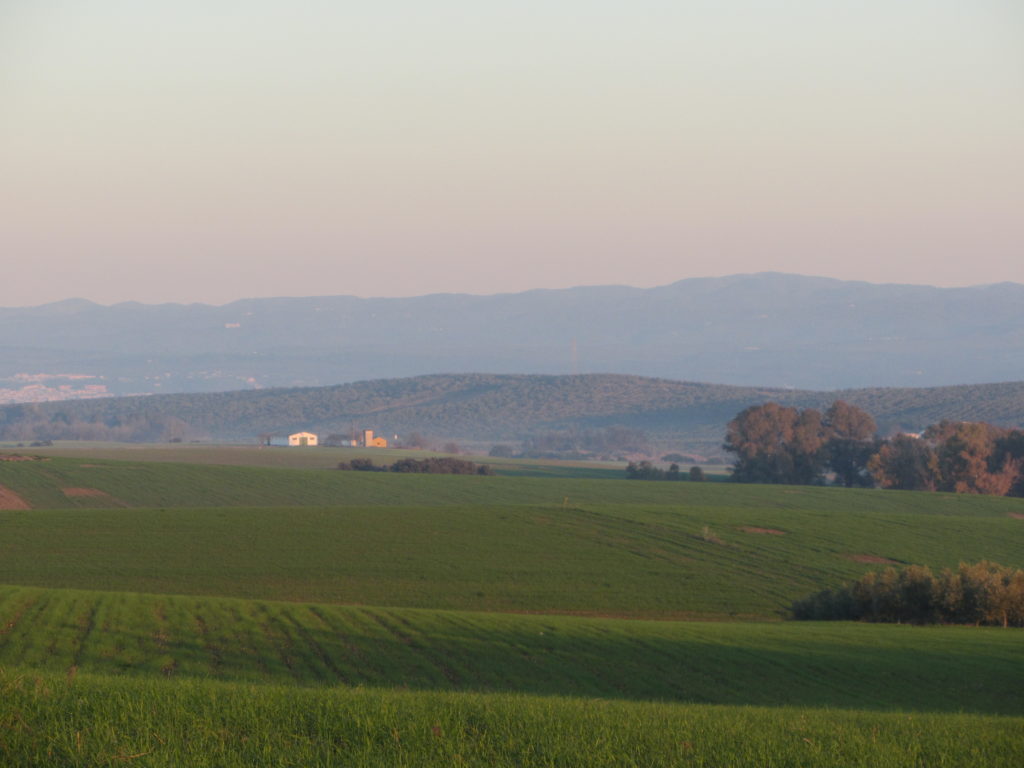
(647, 561)
(819, 665)
(92, 720)
(96, 483)
(63, 483)
(154, 612)
(321, 457)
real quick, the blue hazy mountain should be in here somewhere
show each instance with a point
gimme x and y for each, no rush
(766, 330)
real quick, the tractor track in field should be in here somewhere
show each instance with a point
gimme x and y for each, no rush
(215, 652)
(390, 624)
(325, 658)
(86, 623)
(278, 638)
(8, 626)
(244, 641)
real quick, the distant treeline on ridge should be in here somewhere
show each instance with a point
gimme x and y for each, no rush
(773, 443)
(538, 414)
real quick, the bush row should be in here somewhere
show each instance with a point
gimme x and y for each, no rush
(430, 466)
(983, 593)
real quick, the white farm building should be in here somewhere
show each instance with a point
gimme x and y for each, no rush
(302, 438)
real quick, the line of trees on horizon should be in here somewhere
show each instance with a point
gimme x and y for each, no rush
(645, 470)
(780, 444)
(28, 422)
(437, 465)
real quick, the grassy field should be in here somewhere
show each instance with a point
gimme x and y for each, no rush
(163, 613)
(98, 721)
(321, 457)
(60, 483)
(95, 483)
(949, 669)
(680, 561)
(102, 721)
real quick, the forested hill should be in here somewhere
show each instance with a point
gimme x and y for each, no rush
(749, 330)
(486, 407)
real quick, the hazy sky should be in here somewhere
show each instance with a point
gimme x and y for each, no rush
(219, 149)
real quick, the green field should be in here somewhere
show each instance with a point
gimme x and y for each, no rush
(949, 669)
(56, 483)
(108, 721)
(298, 616)
(320, 457)
(52, 484)
(643, 562)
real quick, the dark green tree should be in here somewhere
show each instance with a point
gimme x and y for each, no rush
(851, 443)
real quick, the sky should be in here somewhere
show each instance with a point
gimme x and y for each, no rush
(223, 149)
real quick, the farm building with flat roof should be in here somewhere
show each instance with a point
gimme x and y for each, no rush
(302, 438)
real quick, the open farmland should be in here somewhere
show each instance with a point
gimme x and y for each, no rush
(442, 620)
(321, 457)
(66, 483)
(675, 561)
(885, 667)
(96, 483)
(101, 720)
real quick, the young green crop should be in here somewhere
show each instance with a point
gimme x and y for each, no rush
(808, 664)
(62, 483)
(96, 720)
(640, 560)
(187, 675)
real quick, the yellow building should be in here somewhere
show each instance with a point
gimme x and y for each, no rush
(369, 441)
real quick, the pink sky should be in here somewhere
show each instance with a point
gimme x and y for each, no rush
(198, 152)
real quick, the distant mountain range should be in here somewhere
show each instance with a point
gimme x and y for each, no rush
(482, 408)
(752, 330)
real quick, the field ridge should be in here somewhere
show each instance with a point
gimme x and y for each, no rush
(851, 666)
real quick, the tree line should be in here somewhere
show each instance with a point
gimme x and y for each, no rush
(428, 466)
(983, 593)
(607, 443)
(645, 470)
(773, 443)
(31, 423)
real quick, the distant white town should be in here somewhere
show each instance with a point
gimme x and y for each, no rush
(49, 387)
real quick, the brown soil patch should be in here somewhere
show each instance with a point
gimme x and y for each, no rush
(871, 559)
(1016, 515)
(10, 500)
(766, 531)
(73, 492)
(19, 457)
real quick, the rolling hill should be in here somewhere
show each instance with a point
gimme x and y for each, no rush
(162, 614)
(558, 545)
(496, 408)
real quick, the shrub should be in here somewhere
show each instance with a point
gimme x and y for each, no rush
(983, 593)
(361, 465)
(430, 466)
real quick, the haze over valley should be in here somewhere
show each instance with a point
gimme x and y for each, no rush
(761, 330)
